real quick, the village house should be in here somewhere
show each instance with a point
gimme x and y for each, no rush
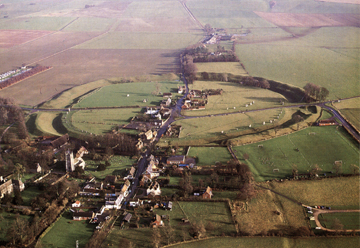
(71, 163)
(167, 95)
(8, 186)
(76, 204)
(153, 189)
(181, 89)
(131, 173)
(110, 179)
(156, 221)
(59, 142)
(81, 215)
(178, 159)
(127, 217)
(207, 194)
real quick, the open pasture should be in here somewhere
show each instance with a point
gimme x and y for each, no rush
(277, 157)
(310, 20)
(221, 67)
(102, 121)
(229, 124)
(351, 110)
(313, 63)
(338, 193)
(273, 242)
(210, 155)
(129, 40)
(350, 221)
(66, 232)
(118, 166)
(10, 38)
(235, 95)
(116, 94)
(259, 213)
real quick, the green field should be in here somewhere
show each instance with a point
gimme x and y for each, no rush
(322, 192)
(210, 155)
(221, 67)
(235, 95)
(350, 221)
(280, 153)
(128, 40)
(29, 194)
(350, 109)
(313, 63)
(195, 211)
(116, 94)
(38, 23)
(93, 24)
(273, 242)
(118, 165)
(66, 232)
(102, 121)
(230, 124)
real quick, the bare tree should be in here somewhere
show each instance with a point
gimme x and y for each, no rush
(168, 234)
(156, 237)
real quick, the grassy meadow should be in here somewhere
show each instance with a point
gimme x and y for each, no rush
(116, 94)
(196, 212)
(118, 165)
(102, 121)
(350, 220)
(29, 194)
(322, 192)
(129, 40)
(351, 110)
(66, 232)
(210, 155)
(273, 242)
(280, 153)
(234, 98)
(314, 61)
(221, 67)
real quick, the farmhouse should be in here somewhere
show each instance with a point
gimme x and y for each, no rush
(59, 142)
(154, 189)
(82, 215)
(8, 186)
(156, 222)
(207, 194)
(179, 159)
(167, 95)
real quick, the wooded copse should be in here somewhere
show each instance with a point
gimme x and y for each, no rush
(315, 92)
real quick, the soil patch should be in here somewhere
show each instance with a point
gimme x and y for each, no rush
(10, 38)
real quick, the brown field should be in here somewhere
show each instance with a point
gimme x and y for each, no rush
(76, 66)
(10, 38)
(310, 20)
(155, 25)
(340, 1)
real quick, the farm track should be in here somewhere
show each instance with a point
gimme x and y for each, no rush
(191, 14)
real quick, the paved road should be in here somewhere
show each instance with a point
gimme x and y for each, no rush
(142, 163)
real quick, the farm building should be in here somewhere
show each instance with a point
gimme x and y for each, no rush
(179, 159)
(82, 215)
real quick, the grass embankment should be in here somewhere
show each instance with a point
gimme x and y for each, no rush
(277, 157)
(66, 232)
